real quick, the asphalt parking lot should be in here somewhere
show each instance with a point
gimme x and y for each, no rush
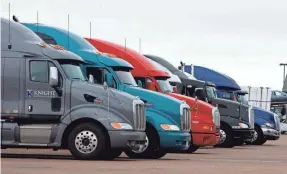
(269, 158)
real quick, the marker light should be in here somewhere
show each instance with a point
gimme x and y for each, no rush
(99, 53)
(57, 47)
(43, 45)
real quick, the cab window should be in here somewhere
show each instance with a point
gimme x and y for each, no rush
(39, 71)
(99, 75)
(142, 80)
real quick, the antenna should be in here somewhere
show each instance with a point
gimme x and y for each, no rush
(9, 46)
(37, 22)
(125, 45)
(90, 30)
(68, 32)
(140, 45)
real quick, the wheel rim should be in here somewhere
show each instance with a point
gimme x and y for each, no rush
(86, 142)
(255, 136)
(141, 149)
(222, 136)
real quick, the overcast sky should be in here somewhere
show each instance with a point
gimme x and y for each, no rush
(245, 39)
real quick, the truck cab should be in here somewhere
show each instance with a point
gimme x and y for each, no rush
(47, 101)
(167, 126)
(236, 120)
(154, 77)
(267, 124)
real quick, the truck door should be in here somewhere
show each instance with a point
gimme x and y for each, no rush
(42, 101)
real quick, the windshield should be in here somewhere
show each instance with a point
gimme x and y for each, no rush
(126, 77)
(72, 70)
(211, 92)
(165, 85)
(242, 99)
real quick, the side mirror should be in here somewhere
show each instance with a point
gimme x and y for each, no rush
(174, 88)
(91, 78)
(199, 92)
(151, 86)
(105, 85)
(140, 84)
(109, 79)
(53, 76)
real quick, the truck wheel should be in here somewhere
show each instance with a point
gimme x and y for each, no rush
(192, 149)
(226, 137)
(87, 141)
(258, 136)
(158, 154)
(110, 154)
(238, 142)
(151, 149)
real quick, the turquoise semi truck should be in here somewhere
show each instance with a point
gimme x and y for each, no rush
(167, 119)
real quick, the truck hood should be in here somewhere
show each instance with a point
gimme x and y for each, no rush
(160, 102)
(119, 102)
(264, 114)
(204, 110)
(232, 109)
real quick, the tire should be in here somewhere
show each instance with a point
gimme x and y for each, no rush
(110, 154)
(192, 149)
(260, 140)
(238, 142)
(158, 154)
(283, 132)
(152, 149)
(94, 139)
(229, 141)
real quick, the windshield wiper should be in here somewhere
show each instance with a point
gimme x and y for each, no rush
(76, 78)
(129, 84)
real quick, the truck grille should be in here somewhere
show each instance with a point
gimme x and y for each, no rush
(277, 121)
(216, 117)
(251, 117)
(139, 116)
(185, 120)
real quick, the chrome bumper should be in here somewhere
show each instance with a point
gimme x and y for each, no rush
(271, 133)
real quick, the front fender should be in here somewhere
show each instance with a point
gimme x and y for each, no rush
(99, 113)
(155, 118)
(232, 122)
(260, 121)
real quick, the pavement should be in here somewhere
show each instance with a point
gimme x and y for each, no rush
(268, 158)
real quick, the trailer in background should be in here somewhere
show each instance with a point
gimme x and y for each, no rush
(258, 96)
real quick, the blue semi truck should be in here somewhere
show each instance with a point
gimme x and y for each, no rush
(168, 119)
(267, 124)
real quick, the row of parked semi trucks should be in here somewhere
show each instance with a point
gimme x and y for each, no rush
(99, 99)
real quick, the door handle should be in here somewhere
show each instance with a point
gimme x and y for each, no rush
(30, 108)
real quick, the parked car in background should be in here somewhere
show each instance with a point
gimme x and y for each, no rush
(278, 97)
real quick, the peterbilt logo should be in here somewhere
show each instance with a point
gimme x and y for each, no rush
(36, 93)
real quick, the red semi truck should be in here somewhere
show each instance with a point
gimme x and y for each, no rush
(152, 77)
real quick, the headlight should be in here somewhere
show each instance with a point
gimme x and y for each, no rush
(125, 126)
(243, 125)
(268, 125)
(169, 127)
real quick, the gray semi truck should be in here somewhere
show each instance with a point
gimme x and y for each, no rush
(48, 103)
(237, 120)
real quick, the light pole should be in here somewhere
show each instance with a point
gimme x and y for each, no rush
(284, 74)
